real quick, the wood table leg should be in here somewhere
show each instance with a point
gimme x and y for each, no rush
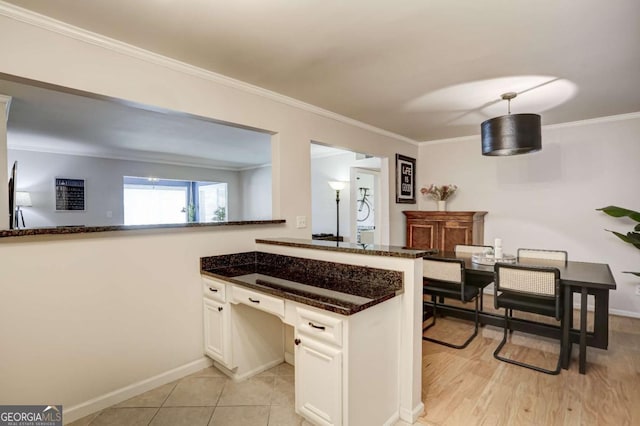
(583, 330)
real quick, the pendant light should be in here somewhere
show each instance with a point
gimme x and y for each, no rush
(511, 134)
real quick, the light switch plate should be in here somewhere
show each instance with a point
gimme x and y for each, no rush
(301, 221)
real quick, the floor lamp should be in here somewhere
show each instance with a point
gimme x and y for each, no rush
(23, 199)
(337, 186)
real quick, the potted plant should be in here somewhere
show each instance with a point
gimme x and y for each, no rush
(440, 193)
(631, 237)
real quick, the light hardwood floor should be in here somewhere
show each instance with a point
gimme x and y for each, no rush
(460, 387)
(470, 387)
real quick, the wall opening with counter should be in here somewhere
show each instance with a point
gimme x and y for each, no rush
(53, 133)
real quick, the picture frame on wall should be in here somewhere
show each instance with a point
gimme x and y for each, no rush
(70, 194)
(405, 179)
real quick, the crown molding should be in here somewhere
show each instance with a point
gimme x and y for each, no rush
(569, 124)
(129, 157)
(49, 24)
(6, 101)
(597, 120)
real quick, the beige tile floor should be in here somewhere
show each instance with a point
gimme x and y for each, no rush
(208, 397)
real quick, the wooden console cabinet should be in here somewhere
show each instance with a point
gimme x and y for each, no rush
(444, 230)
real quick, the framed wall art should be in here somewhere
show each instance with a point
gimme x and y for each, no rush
(69, 194)
(405, 179)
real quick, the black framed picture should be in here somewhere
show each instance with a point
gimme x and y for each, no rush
(69, 194)
(405, 179)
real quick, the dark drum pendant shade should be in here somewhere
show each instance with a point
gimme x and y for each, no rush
(511, 134)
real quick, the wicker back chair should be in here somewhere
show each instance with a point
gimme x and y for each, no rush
(560, 255)
(444, 278)
(469, 249)
(528, 289)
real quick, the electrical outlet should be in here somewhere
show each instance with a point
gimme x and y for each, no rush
(301, 221)
(638, 290)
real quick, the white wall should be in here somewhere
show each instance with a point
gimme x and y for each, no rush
(103, 186)
(323, 199)
(84, 315)
(548, 199)
(256, 193)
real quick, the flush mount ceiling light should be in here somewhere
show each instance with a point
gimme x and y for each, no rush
(511, 134)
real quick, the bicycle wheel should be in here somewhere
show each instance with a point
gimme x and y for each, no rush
(363, 211)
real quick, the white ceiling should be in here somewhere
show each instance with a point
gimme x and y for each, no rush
(425, 69)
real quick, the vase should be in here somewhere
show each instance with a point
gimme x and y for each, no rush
(442, 206)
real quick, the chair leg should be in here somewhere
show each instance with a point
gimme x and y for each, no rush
(496, 353)
(434, 304)
(509, 322)
(451, 345)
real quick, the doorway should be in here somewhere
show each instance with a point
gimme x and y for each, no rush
(355, 212)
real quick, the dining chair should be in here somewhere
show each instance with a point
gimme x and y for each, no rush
(445, 278)
(531, 289)
(468, 250)
(527, 253)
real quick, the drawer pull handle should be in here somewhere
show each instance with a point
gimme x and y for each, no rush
(297, 342)
(219, 308)
(319, 327)
(254, 300)
(215, 290)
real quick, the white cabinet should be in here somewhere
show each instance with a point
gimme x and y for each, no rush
(217, 331)
(319, 375)
(346, 367)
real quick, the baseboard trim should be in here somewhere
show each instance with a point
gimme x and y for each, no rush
(107, 400)
(289, 358)
(393, 419)
(411, 416)
(622, 313)
(233, 375)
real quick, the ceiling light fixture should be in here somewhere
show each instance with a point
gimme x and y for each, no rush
(511, 134)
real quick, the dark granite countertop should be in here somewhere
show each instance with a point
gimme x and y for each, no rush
(62, 230)
(370, 249)
(340, 288)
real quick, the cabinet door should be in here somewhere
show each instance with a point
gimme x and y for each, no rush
(422, 235)
(452, 233)
(318, 376)
(217, 332)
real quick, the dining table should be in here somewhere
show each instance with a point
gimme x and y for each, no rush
(582, 278)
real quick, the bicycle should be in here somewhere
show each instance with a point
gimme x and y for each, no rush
(364, 207)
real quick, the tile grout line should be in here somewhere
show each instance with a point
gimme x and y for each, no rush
(165, 400)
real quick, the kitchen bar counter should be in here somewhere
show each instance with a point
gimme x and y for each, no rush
(367, 249)
(67, 230)
(340, 288)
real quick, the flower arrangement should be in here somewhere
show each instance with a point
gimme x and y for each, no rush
(439, 193)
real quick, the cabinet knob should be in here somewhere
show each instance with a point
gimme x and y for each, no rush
(219, 308)
(215, 290)
(296, 341)
(254, 300)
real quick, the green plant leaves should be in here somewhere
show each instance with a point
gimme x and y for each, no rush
(632, 238)
(616, 211)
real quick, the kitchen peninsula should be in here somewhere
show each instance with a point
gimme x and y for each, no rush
(356, 317)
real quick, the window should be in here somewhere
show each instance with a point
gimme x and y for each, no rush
(164, 201)
(213, 202)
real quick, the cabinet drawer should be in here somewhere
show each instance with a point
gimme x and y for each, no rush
(255, 299)
(322, 327)
(214, 289)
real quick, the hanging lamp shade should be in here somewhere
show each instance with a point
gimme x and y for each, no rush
(511, 134)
